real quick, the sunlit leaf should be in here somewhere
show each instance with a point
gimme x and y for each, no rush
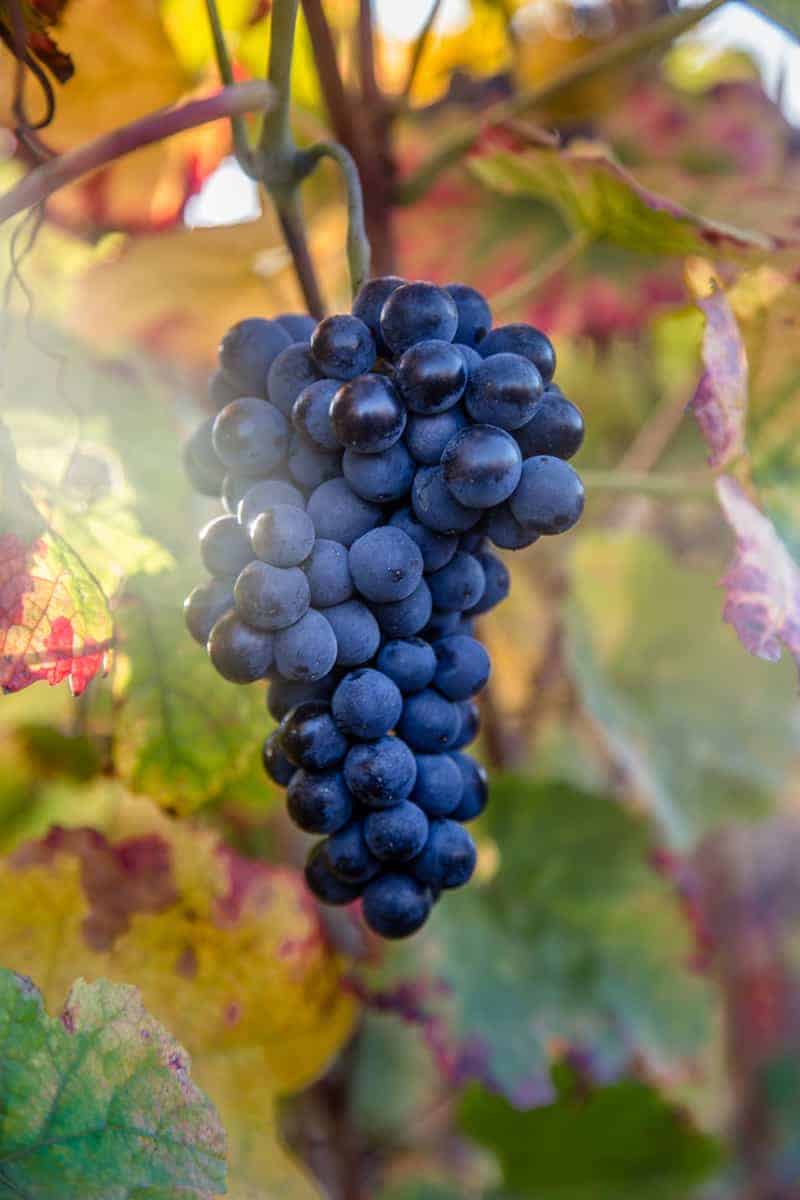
(625, 1143)
(228, 953)
(98, 1102)
(720, 402)
(597, 196)
(762, 584)
(123, 70)
(574, 943)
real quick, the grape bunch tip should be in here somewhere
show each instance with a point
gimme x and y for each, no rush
(365, 465)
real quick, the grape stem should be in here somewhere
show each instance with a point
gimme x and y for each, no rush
(615, 54)
(358, 247)
(241, 141)
(67, 168)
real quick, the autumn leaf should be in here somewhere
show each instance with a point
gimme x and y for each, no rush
(123, 70)
(229, 953)
(720, 402)
(98, 1102)
(762, 583)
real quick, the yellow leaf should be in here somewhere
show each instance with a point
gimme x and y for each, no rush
(230, 954)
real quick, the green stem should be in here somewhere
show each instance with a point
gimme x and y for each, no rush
(241, 142)
(645, 483)
(358, 247)
(276, 133)
(419, 49)
(614, 55)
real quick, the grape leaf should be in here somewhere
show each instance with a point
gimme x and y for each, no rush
(704, 732)
(122, 72)
(184, 735)
(229, 953)
(720, 402)
(98, 1102)
(785, 12)
(762, 584)
(575, 942)
(598, 197)
(625, 1143)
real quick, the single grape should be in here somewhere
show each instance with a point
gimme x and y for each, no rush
(556, 427)
(224, 546)
(439, 786)
(476, 787)
(416, 312)
(431, 377)
(386, 565)
(266, 494)
(318, 801)
(526, 341)
(472, 358)
(234, 488)
(366, 704)
(459, 585)
(470, 724)
(269, 597)
(474, 314)
(463, 666)
(505, 530)
(396, 834)
(307, 649)
(380, 773)
(349, 855)
(283, 535)
(498, 583)
(311, 414)
(275, 762)
(549, 498)
(308, 466)
(405, 618)
(204, 606)
(435, 505)
(369, 302)
(239, 653)
(285, 694)
(409, 662)
(299, 326)
(429, 723)
(247, 352)
(357, 632)
(448, 857)
(310, 738)
(322, 882)
(436, 548)
(343, 347)
(481, 466)
(201, 462)
(250, 436)
(503, 391)
(427, 437)
(367, 414)
(292, 370)
(340, 515)
(441, 624)
(380, 477)
(328, 573)
(395, 905)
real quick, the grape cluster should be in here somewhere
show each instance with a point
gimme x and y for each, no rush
(365, 464)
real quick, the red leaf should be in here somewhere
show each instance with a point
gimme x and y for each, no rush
(720, 402)
(762, 583)
(54, 619)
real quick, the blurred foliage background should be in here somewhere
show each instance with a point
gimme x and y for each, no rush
(613, 1008)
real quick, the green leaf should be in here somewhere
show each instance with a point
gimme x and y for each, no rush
(623, 1142)
(575, 942)
(183, 735)
(597, 196)
(98, 1104)
(706, 732)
